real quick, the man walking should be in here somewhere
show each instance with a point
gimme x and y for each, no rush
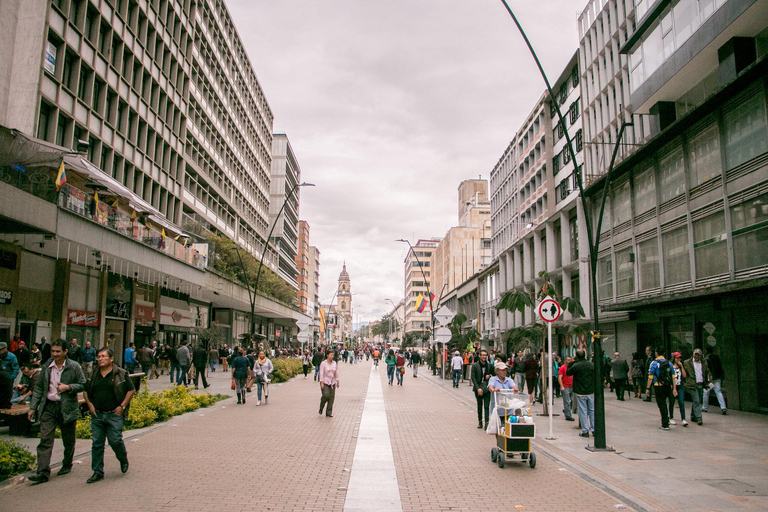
(183, 359)
(129, 358)
(620, 369)
(457, 364)
(213, 357)
(518, 368)
(54, 400)
(108, 394)
(45, 350)
(199, 359)
(88, 357)
(648, 361)
(661, 378)
(415, 361)
(317, 358)
(566, 388)
(145, 360)
(583, 372)
(696, 379)
(75, 351)
(482, 371)
(718, 374)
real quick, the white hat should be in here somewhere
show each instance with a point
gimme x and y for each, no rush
(500, 366)
(456, 353)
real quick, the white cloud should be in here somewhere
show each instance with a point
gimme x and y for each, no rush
(389, 105)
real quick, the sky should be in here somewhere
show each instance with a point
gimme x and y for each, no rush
(389, 105)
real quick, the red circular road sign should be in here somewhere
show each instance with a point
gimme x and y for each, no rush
(549, 310)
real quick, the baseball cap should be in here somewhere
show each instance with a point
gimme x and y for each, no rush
(500, 366)
(3, 345)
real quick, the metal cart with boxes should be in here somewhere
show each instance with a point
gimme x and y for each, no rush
(515, 429)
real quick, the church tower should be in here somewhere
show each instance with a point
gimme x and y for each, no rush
(344, 295)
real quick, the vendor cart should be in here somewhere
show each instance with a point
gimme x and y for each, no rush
(515, 429)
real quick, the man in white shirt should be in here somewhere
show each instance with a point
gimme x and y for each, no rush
(696, 379)
(457, 364)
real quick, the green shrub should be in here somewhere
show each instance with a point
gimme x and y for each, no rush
(286, 369)
(14, 459)
(139, 415)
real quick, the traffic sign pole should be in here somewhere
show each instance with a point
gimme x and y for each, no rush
(551, 387)
(549, 311)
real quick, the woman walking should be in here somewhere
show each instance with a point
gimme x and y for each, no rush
(677, 362)
(329, 381)
(391, 361)
(261, 370)
(240, 366)
(638, 373)
(530, 367)
(400, 368)
(306, 361)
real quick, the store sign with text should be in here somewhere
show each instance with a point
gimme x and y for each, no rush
(6, 296)
(176, 316)
(146, 312)
(85, 318)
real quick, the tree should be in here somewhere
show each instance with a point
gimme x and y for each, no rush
(212, 336)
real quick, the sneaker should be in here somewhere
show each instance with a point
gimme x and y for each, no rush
(258, 403)
(584, 434)
(685, 423)
(663, 428)
(672, 422)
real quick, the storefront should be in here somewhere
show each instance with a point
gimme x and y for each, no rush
(144, 314)
(176, 321)
(84, 326)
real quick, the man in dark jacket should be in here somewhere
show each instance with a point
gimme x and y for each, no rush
(75, 352)
(54, 400)
(200, 359)
(648, 360)
(620, 370)
(583, 372)
(108, 394)
(45, 350)
(482, 371)
(415, 361)
(317, 359)
(6, 388)
(716, 372)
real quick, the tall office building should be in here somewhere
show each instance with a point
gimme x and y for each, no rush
(417, 281)
(303, 263)
(284, 207)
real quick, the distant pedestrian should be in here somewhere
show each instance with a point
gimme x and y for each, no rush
(183, 359)
(9, 361)
(583, 372)
(400, 368)
(648, 391)
(22, 354)
(213, 358)
(530, 366)
(74, 351)
(566, 389)
(88, 358)
(306, 362)
(108, 394)
(129, 358)
(145, 358)
(200, 359)
(518, 369)
(45, 350)
(329, 382)
(240, 371)
(661, 377)
(6, 388)
(391, 362)
(35, 355)
(696, 379)
(480, 375)
(677, 363)
(317, 358)
(54, 402)
(262, 369)
(717, 373)
(620, 370)
(415, 362)
(638, 374)
(457, 363)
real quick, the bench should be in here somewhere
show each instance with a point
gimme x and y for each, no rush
(17, 420)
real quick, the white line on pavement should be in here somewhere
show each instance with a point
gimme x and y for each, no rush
(373, 480)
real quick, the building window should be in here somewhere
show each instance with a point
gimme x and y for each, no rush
(648, 257)
(704, 156)
(579, 141)
(671, 175)
(622, 209)
(709, 246)
(573, 227)
(605, 278)
(44, 122)
(645, 191)
(677, 265)
(625, 272)
(575, 76)
(746, 134)
(750, 233)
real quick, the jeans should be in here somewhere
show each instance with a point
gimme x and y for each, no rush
(145, 368)
(483, 404)
(456, 377)
(259, 386)
(109, 426)
(586, 412)
(718, 383)
(130, 367)
(619, 385)
(415, 370)
(520, 381)
(697, 394)
(200, 372)
(213, 365)
(567, 401)
(399, 374)
(49, 420)
(175, 369)
(183, 375)
(680, 403)
(390, 372)
(662, 397)
(317, 371)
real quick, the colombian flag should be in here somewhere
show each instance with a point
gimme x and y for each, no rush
(61, 178)
(162, 238)
(422, 302)
(322, 319)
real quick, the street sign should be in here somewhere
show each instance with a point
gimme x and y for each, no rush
(549, 310)
(443, 335)
(444, 315)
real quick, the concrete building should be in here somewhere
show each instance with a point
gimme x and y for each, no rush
(284, 195)
(153, 106)
(417, 281)
(303, 264)
(313, 295)
(465, 248)
(684, 248)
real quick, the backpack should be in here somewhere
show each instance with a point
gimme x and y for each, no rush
(665, 378)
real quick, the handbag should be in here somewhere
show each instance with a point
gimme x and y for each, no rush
(233, 383)
(402, 370)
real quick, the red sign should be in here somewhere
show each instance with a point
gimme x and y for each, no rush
(146, 312)
(86, 318)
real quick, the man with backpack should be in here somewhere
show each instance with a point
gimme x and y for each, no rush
(661, 378)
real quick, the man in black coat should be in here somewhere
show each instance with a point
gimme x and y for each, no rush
(583, 372)
(200, 359)
(481, 374)
(317, 359)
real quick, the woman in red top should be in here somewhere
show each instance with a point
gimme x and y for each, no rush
(400, 368)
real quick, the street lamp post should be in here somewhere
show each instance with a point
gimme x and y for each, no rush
(593, 240)
(402, 339)
(252, 296)
(431, 309)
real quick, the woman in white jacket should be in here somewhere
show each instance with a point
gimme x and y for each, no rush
(262, 368)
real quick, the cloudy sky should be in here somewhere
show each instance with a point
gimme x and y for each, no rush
(389, 105)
